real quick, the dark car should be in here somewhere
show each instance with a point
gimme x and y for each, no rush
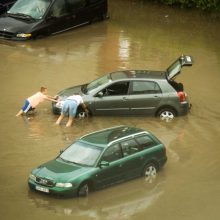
(134, 92)
(36, 18)
(100, 159)
(5, 5)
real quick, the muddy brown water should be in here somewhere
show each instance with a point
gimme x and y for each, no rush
(137, 36)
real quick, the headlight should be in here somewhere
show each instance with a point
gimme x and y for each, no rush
(32, 177)
(22, 35)
(64, 185)
(59, 104)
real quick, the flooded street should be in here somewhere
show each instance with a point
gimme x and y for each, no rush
(137, 36)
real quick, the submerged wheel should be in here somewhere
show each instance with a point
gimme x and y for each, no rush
(167, 114)
(150, 172)
(83, 190)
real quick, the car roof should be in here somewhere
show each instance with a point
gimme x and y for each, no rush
(138, 74)
(105, 137)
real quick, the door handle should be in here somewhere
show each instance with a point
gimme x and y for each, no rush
(157, 97)
(124, 99)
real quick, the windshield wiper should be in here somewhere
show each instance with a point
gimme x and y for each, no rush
(68, 161)
(20, 15)
(84, 89)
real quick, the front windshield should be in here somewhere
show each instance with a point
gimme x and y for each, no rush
(32, 8)
(98, 82)
(174, 69)
(81, 153)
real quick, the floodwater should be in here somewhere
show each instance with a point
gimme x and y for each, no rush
(137, 36)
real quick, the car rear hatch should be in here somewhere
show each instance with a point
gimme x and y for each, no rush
(174, 69)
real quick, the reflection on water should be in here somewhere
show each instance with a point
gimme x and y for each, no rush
(119, 202)
(137, 36)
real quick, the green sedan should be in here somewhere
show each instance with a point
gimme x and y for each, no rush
(100, 159)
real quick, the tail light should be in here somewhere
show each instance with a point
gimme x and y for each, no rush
(182, 96)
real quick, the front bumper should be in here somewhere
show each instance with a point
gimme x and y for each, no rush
(55, 109)
(58, 191)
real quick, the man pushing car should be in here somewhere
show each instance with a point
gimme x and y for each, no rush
(69, 109)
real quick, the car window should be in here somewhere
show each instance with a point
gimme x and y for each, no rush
(35, 9)
(58, 9)
(112, 153)
(81, 153)
(97, 83)
(74, 5)
(145, 142)
(119, 88)
(145, 87)
(129, 147)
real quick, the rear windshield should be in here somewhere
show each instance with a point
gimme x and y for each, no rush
(174, 69)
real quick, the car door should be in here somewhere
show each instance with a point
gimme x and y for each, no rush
(58, 18)
(112, 173)
(80, 12)
(97, 9)
(112, 100)
(145, 97)
(132, 158)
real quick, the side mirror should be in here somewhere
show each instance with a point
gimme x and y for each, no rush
(104, 164)
(100, 94)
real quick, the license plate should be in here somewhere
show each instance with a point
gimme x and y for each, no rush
(42, 189)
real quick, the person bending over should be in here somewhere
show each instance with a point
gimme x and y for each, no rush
(69, 108)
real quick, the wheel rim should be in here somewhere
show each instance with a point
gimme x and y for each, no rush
(167, 116)
(150, 173)
(84, 190)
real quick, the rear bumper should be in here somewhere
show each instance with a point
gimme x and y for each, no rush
(162, 162)
(184, 108)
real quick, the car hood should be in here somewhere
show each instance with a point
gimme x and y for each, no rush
(15, 25)
(59, 171)
(71, 90)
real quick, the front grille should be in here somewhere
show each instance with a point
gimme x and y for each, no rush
(45, 182)
(6, 34)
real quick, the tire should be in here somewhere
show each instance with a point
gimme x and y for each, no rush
(150, 173)
(83, 190)
(166, 114)
(104, 16)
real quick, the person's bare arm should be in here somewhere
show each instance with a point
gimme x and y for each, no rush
(49, 98)
(84, 107)
(52, 97)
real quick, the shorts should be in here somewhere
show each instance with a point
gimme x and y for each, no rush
(27, 107)
(69, 108)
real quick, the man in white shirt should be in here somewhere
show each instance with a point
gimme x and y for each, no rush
(69, 108)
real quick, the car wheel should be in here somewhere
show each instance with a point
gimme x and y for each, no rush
(83, 190)
(150, 173)
(167, 114)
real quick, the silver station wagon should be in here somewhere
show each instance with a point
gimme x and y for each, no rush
(134, 92)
